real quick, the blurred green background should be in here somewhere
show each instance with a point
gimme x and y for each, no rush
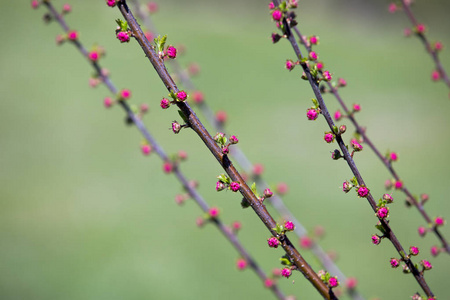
(84, 215)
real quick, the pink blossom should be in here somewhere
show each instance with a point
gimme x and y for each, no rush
(394, 262)
(438, 46)
(333, 282)
(152, 7)
(273, 242)
(181, 95)
(398, 184)
(123, 37)
(313, 40)
(233, 139)
(420, 28)
(312, 114)
(221, 116)
(286, 272)
(313, 55)
(236, 225)
(382, 212)
(426, 264)
(220, 186)
(93, 55)
(234, 186)
(329, 137)
(66, 8)
(165, 103)
(435, 75)
(241, 264)
(198, 97)
(357, 146)
(167, 167)
(356, 107)
(282, 188)
(413, 250)
(392, 8)
(289, 65)
(258, 169)
(289, 226)
(435, 251)
(393, 156)
(342, 82)
(439, 221)
(422, 231)
(320, 65)
(72, 35)
(125, 94)
(200, 221)
(213, 212)
(143, 108)
(183, 156)
(277, 15)
(179, 199)
(347, 186)
(351, 283)
(337, 115)
(376, 240)
(306, 242)
(176, 127)
(35, 4)
(108, 102)
(268, 193)
(363, 191)
(171, 52)
(111, 3)
(388, 198)
(327, 76)
(146, 149)
(268, 283)
(271, 5)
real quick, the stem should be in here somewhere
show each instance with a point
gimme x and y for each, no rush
(232, 238)
(388, 231)
(224, 161)
(386, 163)
(241, 159)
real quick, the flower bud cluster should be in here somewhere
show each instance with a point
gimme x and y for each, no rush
(222, 141)
(225, 182)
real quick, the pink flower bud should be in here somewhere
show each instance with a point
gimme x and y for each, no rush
(125, 94)
(413, 250)
(422, 231)
(221, 116)
(327, 76)
(376, 240)
(220, 186)
(225, 150)
(273, 242)
(93, 55)
(200, 221)
(72, 35)
(435, 75)
(179, 199)
(395, 263)
(392, 8)
(271, 5)
(198, 97)
(435, 251)
(306, 242)
(398, 184)
(176, 127)
(420, 28)
(268, 193)
(289, 226)
(171, 52)
(236, 225)
(167, 167)
(342, 82)
(356, 107)
(241, 264)
(320, 65)
(234, 139)
(111, 3)
(165, 103)
(277, 15)
(439, 221)
(313, 55)
(234, 186)
(268, 283)
(258, 169)
(35, 4)
(363, 191)
(393, 156)
(356, 146)
(351, 283)
(123, 37)
(333, 282)
(290, 65)
(312, 114)
(329, 137)
(213, 212)
(275, 37)
(426, 264)
(143, 108)
(181, 95)
(108, 102)
(282, 188)
(438, 46)
(388, 198)
(152, 7)
(347, 186)
(66, 8)
(337, 115)
(382, 212)
(146, 149)
(286, 272)
(313, 40)
(407, 32)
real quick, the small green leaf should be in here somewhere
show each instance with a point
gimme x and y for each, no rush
(380, 228)
(285, 261)
(315, 102)
(224, 178)
(335, 129)
(122, 24)
(354, 181)
(254, 190)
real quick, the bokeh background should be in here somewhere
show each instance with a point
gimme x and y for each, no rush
(84, 215)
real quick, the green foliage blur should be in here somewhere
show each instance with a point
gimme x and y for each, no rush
(84, 215)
